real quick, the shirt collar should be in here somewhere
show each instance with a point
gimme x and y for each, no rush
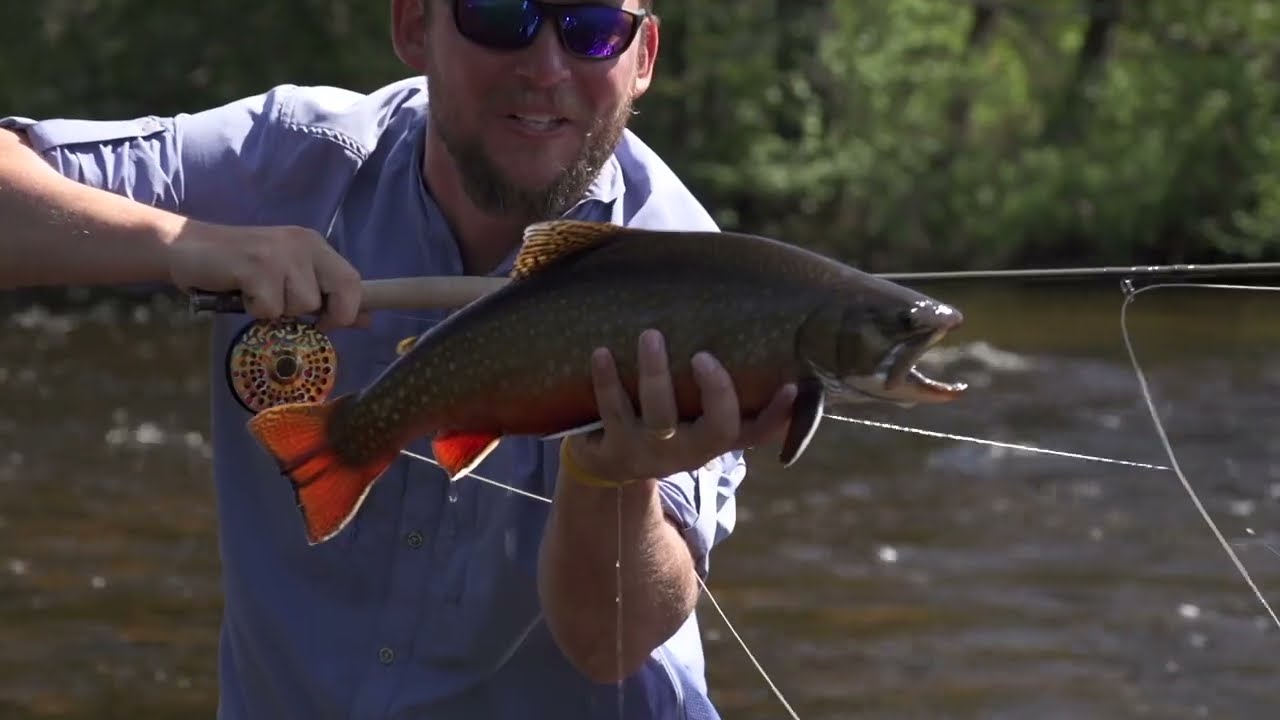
(608, 185)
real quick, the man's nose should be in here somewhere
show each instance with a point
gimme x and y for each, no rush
(545, 63)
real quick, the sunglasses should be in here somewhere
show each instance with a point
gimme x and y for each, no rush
(590, 31)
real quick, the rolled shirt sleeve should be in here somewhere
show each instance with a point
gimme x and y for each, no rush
(702, 504)
(137, 158)
(217, 165)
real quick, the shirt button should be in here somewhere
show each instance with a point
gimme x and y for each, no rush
(414, 539)
(386, 656)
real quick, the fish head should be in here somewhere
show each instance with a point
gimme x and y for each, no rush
(878, 343)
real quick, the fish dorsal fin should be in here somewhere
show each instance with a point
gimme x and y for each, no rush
(546, 242)
(405, 345)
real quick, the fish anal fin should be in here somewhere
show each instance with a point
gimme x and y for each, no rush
(328, 489)
(460, 452)
(806, 415)
(548, 241)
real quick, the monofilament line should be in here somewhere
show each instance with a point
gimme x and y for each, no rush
(1257, 541)
(1129, 294)
(723, 617)
(508, 488)
(617, 577)
(743, 644)
(996, 443)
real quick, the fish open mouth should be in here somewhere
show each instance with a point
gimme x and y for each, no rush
(902, 380)
(896, 379)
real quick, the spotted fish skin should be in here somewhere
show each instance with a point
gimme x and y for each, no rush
(516, 362)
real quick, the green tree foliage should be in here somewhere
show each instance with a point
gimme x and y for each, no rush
(912, 133)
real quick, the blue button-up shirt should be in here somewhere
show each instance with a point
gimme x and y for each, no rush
(425, 606)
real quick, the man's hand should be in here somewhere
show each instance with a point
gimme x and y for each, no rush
(583, 546)
(655, 444)
(281, 271)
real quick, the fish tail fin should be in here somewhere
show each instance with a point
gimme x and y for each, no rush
(328, 488)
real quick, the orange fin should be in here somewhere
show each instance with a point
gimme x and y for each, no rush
(546, 242)
(328, 489)
(405, 345)
(459, 453)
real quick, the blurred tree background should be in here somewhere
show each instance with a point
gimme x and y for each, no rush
(912, 134)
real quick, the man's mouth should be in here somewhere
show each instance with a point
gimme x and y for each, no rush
(539, 123)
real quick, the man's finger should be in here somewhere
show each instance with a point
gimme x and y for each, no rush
(264, 297)
(616, 410)
(301, 292)
(654, 387)
(341, 285)
(721, 416)
(771, 423)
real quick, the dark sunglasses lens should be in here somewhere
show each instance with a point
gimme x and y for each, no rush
(596, 31)
(498, 23)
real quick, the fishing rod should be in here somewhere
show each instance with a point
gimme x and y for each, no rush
(430, 292)
(1182, 270)
(447, 292)
(275, 361)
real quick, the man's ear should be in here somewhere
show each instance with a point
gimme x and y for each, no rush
(409, 32)
(646, 54)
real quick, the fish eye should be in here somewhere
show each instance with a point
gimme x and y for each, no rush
(908, 320)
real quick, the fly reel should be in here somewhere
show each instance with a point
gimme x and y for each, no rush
(280, 361)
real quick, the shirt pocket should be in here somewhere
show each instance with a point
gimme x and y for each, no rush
(364, 357)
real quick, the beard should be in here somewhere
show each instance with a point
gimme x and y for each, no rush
(493, 192)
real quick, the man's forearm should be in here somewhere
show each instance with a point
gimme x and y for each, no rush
(59, 232)
(577, 577)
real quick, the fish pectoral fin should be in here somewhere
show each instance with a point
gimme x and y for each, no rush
(580, 430)
(460, 452)
(806, 415)
(548, 241)
(328, 490)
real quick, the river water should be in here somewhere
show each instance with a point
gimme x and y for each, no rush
(887, 575)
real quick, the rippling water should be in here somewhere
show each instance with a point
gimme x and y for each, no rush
(889, 575)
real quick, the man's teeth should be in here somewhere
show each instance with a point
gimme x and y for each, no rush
(539, 122)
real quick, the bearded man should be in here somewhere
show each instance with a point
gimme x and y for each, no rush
(439, 600)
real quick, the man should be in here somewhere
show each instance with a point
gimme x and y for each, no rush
(440, 600)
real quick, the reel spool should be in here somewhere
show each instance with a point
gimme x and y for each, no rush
(282, 361)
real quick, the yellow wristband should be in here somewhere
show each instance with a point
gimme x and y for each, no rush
(570, 467)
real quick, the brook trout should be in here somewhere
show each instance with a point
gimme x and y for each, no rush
(517, 361)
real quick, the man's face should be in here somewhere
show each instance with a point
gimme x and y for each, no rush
(529, 129)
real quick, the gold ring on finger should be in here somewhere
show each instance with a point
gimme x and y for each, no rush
(665, 433)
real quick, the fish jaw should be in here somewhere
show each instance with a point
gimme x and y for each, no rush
(922, 389)
(915, 388)
(896, 378)
(933, 321)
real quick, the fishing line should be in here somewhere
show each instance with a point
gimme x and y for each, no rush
(743, 644)
(617, 577)
(617, 562)
(1129, 294)
(996, 443)
(495, 483)
(723, 617)
(1257, 541)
